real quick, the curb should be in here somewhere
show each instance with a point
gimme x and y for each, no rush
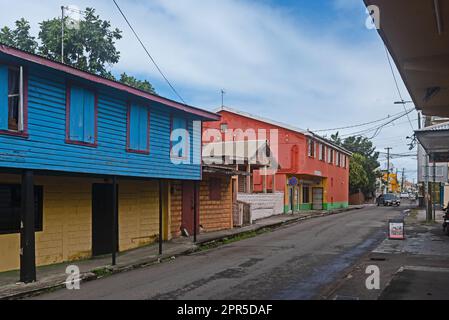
(91, 276)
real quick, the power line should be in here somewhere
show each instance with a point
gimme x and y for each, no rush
(397, 85)
(358, 125)
(148, 53)
(377, 129)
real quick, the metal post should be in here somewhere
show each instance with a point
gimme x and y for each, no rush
(27, 230)
(388, 169)
(434, 188)
(114, 220)
(195, 210)
(62, 34)
(161, 217)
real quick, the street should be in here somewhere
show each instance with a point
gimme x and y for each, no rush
(294, 262)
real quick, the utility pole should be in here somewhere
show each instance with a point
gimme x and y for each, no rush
(388, 168)
(403, 180)
(222, 98)
(62, 33)
(434, 188)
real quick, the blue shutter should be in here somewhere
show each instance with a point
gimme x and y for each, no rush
(82, 115)
(3, 97)
(180, 123)
(134, 128)
(89, 117)
(76, 114)
(143, 128)
(138, 128)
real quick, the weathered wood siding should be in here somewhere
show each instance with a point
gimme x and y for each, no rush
(46, 148)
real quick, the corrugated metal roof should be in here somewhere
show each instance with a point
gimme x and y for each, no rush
(438, 127)
(285, 126)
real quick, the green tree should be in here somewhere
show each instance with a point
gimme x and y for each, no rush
(90, 47)
(364, 147)
(19, 37)
(139, 84)
(358, 177)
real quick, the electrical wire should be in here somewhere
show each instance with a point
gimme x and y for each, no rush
(148, 53)
(377, 129)
(397, 85)
(358, 125)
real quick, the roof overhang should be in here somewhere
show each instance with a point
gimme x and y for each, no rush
(416, 32)
(39, 60)
(435, 140)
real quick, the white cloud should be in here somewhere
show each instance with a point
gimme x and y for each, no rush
(268, 62)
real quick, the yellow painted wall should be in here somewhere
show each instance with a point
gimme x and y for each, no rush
(67, 220)
(138, 213)
(66, 234)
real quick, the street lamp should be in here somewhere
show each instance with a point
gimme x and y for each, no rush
(403, 102)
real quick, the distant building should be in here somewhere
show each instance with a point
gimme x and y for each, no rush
(312, 173)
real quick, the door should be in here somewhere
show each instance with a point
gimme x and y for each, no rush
(188, 207)
(317, 199)
(102, 216)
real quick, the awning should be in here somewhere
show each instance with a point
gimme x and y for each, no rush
(435, 140)
(416, 33)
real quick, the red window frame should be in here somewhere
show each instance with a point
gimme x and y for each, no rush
(188, 143)
(20, 134)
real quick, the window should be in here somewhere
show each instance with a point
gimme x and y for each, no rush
(311, 148)
(13, 92)
(224, 127)
(305, 194)
(10, 202)
(338, 159)
(138, 129)
(330, 156)
(322, 152)
(215, 189)
(81, 116)
(179, 138)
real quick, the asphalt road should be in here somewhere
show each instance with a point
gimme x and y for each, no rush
(294, 262)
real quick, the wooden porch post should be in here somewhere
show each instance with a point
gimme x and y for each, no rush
(161, 217)
(196, 207)
(114, 220)
(264, 180)
(248, 178)
(27, 230)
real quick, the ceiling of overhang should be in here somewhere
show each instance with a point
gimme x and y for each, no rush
(436, 143)
(410, 30)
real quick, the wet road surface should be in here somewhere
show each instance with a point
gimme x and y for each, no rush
(294, 262)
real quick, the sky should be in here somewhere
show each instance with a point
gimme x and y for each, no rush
(312, 64)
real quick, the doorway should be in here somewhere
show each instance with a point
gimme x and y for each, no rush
(102, 216)
(318, 198)
(188, 207)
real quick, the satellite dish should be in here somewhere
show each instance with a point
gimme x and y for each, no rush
(73, 17)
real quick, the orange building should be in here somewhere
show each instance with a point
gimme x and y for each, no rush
(313, 172)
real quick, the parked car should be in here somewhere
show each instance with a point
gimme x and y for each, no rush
(405, 195)
(389, 199)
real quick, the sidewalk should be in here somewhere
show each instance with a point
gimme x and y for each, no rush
(54, 276)
(414, 269)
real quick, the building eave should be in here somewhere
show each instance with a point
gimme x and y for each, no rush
(51, 64)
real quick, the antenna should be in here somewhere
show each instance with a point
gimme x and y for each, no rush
(222, 98)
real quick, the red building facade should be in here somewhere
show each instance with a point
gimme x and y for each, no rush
(313, 173)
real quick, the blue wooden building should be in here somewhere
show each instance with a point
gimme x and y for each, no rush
(86, 163)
